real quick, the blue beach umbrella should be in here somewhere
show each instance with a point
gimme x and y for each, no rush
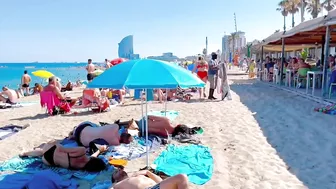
(146, 74)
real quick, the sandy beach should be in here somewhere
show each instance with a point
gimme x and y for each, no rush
(265, 138)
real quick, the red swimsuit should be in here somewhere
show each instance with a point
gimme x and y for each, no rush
(202, 74)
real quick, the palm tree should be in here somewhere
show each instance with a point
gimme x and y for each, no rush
(314, 7)
(329, 5)
(283, 9)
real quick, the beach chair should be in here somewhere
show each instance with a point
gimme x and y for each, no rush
(49, 100)
(91, 101)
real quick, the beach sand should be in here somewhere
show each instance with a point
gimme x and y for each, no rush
(265, 138)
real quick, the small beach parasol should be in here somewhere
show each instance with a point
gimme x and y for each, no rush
(44, 74)
(118, 61)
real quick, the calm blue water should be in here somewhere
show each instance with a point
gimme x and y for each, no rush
(11, 73)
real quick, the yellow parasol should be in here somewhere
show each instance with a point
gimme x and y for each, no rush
(44, 74)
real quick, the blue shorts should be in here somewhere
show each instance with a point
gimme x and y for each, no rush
(142, 127)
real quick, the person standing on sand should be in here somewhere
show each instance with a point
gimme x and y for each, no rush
(25, 80)
(213, 75)
(108, 64)
(90, 69)
(8, 96)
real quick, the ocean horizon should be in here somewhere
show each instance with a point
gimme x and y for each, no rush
(11, 73)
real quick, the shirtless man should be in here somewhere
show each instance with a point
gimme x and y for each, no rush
(8, 96)
(90, 69)
(25, 80)
(147, 180)
(87, 133)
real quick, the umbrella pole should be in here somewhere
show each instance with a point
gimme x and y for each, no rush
(165, 103)
(142, 114)
(147, 150)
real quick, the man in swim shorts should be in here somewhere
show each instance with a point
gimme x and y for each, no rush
(147, 180)
(25, 80)
(90, 69)
(8, 96)
(89, 134)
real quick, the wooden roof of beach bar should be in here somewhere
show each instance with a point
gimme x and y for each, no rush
(307, 33)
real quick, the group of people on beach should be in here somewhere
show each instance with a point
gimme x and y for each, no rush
(212, 71)
(95, 139)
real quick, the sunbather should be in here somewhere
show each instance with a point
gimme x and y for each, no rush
(54, 154)
(147, 180)
(87, 134)
(157, 125)
(8, 96)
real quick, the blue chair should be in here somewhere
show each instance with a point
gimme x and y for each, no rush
(137, 93)
(150, 94)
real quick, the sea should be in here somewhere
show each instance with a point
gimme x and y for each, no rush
(11, 73)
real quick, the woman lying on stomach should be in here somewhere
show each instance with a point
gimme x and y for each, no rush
(54, 154)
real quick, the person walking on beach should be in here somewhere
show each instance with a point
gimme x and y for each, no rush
(25, 80)
(213, 75)
(90, 69)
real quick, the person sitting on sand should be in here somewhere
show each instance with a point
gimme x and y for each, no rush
(67, 87)
(54, 154)
(89, 134)
(8, 96)
(157, 96)
(37, 89)
(147, 180)
(52, 86)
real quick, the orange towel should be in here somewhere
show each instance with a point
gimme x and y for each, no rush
(118, 162)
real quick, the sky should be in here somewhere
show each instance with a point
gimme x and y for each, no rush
(75, 30)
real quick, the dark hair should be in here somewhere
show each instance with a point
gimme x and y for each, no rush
(123, 176)
(25, 72)
(199, 58)
(89, 59)
(105, 59)
(95, 165)
(125, 138)
(52, 78)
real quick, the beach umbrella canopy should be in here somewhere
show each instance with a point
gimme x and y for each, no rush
(44, 74)
(118, 61)
(146, 74)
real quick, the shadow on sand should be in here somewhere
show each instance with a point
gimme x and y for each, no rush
(37, 116)
(287, 132)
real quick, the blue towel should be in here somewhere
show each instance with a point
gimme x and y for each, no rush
(34, 165)
(194, 160)
(170, 114)
(43, 179)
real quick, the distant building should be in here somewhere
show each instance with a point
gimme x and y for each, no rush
(125, 49)
(169, 57)
(225, 47)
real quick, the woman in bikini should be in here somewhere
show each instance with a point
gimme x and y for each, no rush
(202, 72)
(54, 154)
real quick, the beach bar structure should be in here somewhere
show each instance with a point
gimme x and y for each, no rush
(320, 31)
